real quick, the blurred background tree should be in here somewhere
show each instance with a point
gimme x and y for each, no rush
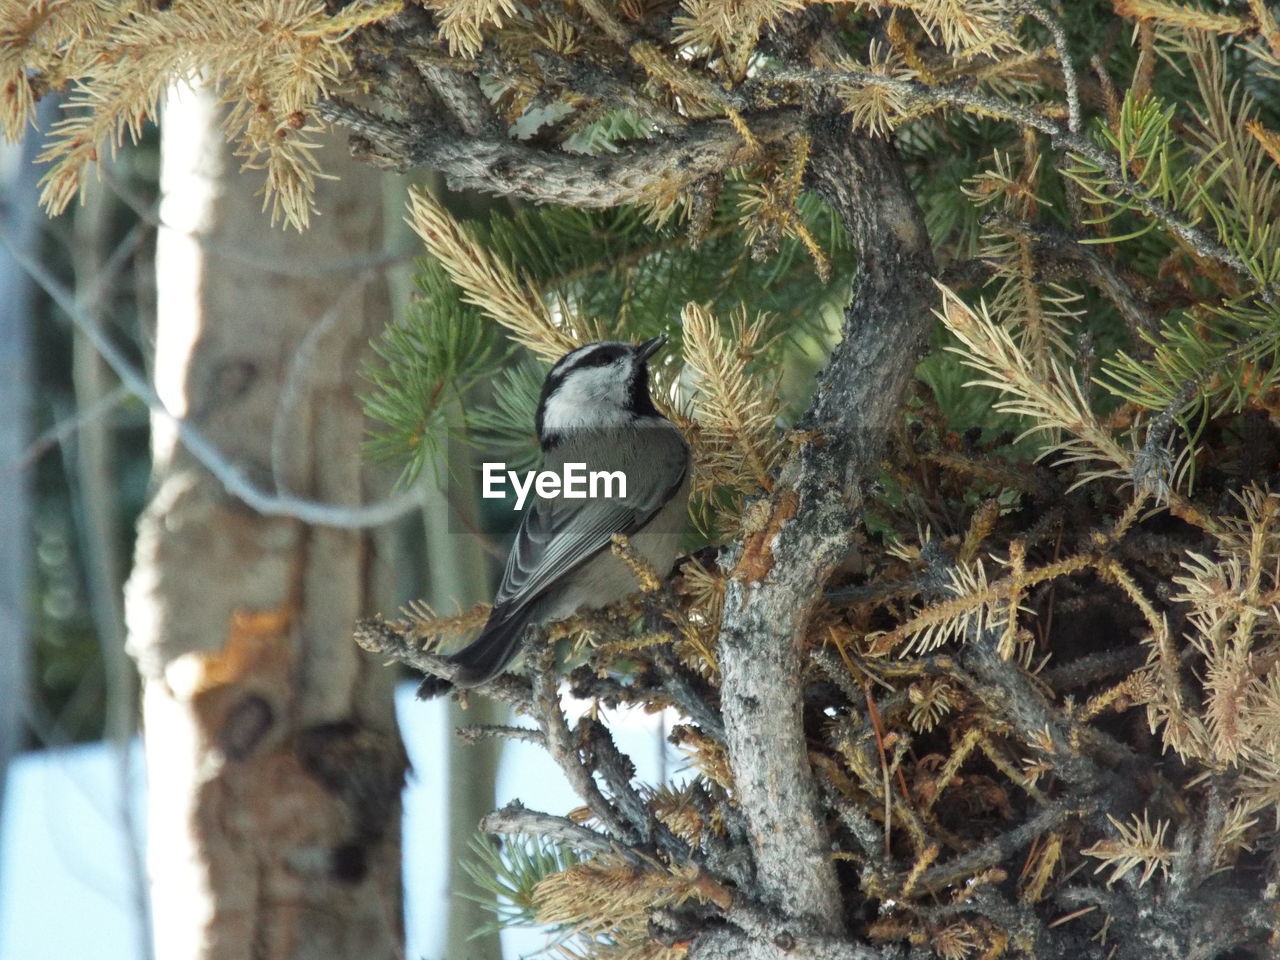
(927, 682)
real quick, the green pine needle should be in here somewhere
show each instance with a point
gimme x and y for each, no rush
(506, 873)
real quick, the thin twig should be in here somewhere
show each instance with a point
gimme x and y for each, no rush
(1002, 847)
(559, 743)
(475, 732)
(230, 475)
(618, 771)
(682, 686)
(258, 260)
(1069, 79)
(300, 371)
(65, 428)
(515, 818)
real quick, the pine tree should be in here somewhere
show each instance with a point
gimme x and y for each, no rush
(977, 658)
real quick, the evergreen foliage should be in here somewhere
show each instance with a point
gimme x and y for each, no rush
(505, 876)
(1042, 697)
(555, 278)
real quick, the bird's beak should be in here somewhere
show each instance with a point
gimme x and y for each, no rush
(650, 347)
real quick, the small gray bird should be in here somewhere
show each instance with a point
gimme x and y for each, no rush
(595, 409)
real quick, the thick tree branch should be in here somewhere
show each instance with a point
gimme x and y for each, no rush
(776, 574)
(510, 168)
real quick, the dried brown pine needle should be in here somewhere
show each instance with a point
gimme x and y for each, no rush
(490, 284)
(270, 60)
(737, 443)
(1138, 845)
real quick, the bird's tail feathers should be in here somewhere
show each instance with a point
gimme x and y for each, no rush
(484, 657)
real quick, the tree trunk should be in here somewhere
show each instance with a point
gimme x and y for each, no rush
(20, 219)
(778, 574)
(273, 759)
(457, 575)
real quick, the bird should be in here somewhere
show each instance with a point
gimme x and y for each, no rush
(594, 409)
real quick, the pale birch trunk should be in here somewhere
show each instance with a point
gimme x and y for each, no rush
(272, 755)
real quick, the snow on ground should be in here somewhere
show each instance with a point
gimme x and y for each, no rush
(65, 882)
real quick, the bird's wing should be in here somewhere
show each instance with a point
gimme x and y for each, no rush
(557, 535)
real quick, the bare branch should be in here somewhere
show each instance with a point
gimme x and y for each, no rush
(1001, 847)
(476, 732)
(256, 259)
(461, 95)
(65, 428)
(1069, 79)
(617, 771)
(515, 818)
(682, 685)
(560, 745)
(230, 475)
(509, 168)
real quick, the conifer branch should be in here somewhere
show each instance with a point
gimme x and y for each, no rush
(737, 441)
(639, 174)
(1057, 247)
(770, 594)
(487, 282)
(985, 105)
(271, 59)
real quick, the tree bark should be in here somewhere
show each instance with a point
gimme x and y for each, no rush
(20, 219)
(99, 522)
(778, 572)
(457, 576)
(273, 759)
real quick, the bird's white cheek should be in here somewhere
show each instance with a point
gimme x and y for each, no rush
(563, 411)
(585, 400)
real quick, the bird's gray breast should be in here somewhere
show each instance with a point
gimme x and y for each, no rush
(651, 455)
(653, 512)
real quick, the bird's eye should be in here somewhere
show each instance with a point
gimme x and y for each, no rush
(601, 358)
